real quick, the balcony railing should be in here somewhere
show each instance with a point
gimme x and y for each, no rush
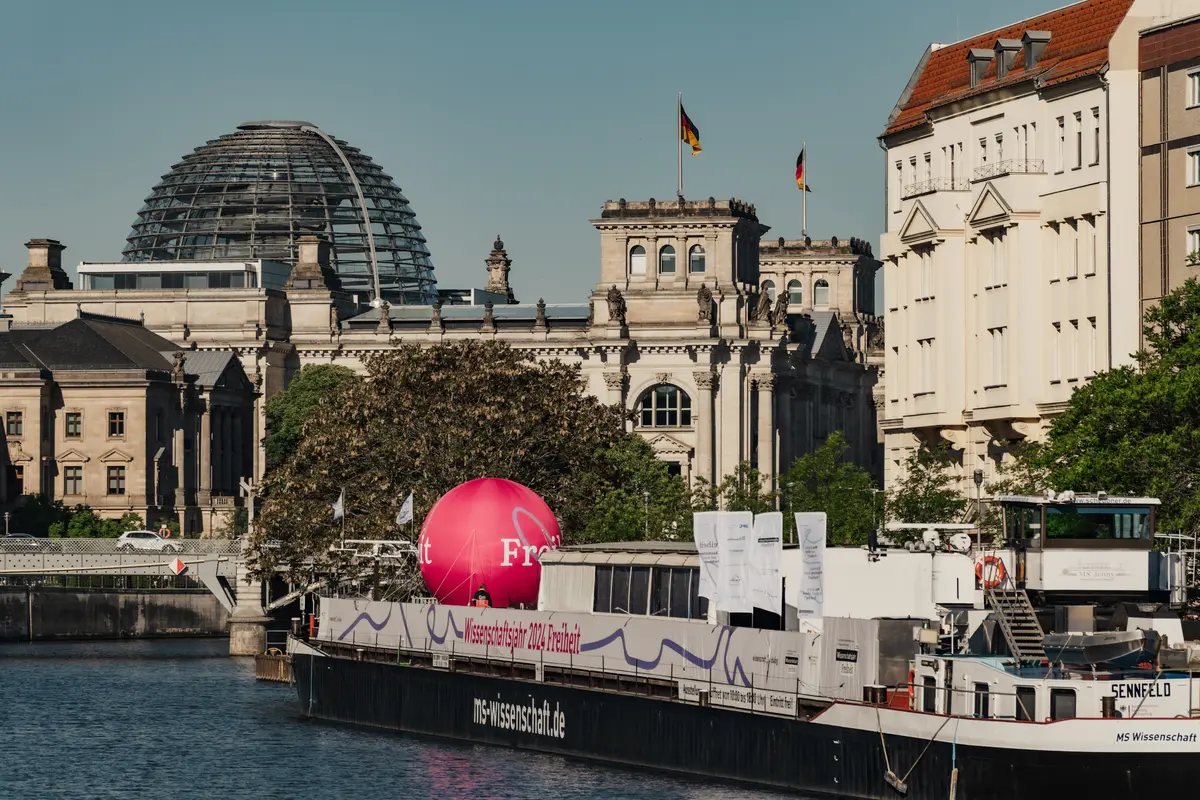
(935, 185)
(1032, 166)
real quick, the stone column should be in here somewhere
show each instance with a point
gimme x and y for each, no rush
(248, 622)
(766, 428)
(615, 381)
(204, 445)
(238, 459)
(705, 418)
(226, 451)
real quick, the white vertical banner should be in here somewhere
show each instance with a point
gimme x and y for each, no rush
(810, 532)
(766, 557)
(704, 531)
(734, 530)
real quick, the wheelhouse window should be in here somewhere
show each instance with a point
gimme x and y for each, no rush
(665, 406)
(1026, 703)
(1062, 704)
(696, 259)
(795, 293)
(768, 288)
(821, 292)
(666, 260)
(981, 700)
(637, 260)
(1098, 522)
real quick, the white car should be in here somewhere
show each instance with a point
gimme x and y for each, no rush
(145, 540)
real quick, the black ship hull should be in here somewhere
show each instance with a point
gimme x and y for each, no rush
(809, 757)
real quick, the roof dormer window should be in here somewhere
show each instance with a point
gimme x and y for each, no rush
(1006, 52)
(978, 60)
(1035, 45)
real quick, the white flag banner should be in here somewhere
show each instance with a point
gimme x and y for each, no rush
(704, 531)
(766, 558)
(734, 529)
(405, 515)
(810, 531)
(339, 506)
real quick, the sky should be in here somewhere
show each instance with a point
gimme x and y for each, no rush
(519, 117)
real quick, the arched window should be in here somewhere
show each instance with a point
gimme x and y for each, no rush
(768, 288)
(665, 406)
(795, 293)
(637, 260)
(696, 259)
(666, 260)
(821, 292)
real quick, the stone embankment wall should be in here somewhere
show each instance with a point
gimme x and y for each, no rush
(32, 614)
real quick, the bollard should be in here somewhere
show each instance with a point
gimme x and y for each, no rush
(1108, 706)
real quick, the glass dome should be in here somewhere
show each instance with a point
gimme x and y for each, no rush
(253, 193)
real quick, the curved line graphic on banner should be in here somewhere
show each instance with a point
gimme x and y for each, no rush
(429, 618)
(521, 534)
(669, 644)
(378, 626)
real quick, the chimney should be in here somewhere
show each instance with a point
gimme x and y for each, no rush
(978, 60)
(1035, 45)
(1006, 51)
(312, 270)
(45, 272)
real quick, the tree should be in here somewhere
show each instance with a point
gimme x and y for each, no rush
(926, 493)
(823, 480)
(234, 524)
(1136, 430)
(288, 411)
(38, 515)
(427, 420)
(744, 490)
(644, 500)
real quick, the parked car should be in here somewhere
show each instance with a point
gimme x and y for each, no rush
(146, 540)
(20, 541)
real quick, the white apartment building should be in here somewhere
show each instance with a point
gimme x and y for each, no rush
(1011, 251)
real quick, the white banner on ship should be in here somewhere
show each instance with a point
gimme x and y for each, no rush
(734, 530)
(671, 649)
(760, 701)
(704, 531)
(810, 532)
(766, 556)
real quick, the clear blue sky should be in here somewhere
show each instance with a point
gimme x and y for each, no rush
(516, 117)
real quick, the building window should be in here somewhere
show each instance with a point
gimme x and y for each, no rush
(925, 366)
(116, 480)
(73, 425)
(928, 168)
(1091, 257)
(1079, 139)
(896, 195)
(1073, 350)
(768, 288)
(1193, 167)
(14, 423)
(696, 259)
(666, 260)
(637, 260)
(1091, 358)
(999, 357)
(1031, 141)
(665, 406)
(1193, 89)
(953, 172)
(1193, 245)
(1056, 352)
(982, 152)
(912, 170)
(1055, 231)
(1095, 135)
(821, 292)
(795, 293)
(998, 267)
(158, 426)
(1060, 154)
(926, 287)
(73, 480)
(999, 147)
(116, 424)
(1070, 241)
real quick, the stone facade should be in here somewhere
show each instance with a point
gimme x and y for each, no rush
(673, 331)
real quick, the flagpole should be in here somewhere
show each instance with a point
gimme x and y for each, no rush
(804, 193)
(679, 143)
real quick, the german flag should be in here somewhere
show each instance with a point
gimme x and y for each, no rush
(800, 182)
(688, 131)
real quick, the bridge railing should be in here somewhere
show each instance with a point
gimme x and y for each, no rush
(223, 547)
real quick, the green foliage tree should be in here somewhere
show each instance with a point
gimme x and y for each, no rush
(112, 528)
(84, 524)
(644, 499)
(288, 411)
(234, 524)
(824, 481)
(745, 489)
(1135, 430)
(39, 515)
(427, 420)
(925, 494)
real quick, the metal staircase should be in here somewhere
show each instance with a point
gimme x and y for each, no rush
(1018, 623)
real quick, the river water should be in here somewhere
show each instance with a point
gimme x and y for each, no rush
(176, 719)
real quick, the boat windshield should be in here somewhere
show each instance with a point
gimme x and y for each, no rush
(1098, 522)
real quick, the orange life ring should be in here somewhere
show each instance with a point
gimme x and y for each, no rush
(997, 575)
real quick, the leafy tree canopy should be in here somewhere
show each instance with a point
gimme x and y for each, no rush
(290, 409)
(427, 420)
(824, 481)
(925, 494)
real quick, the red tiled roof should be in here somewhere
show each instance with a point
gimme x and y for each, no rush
(1079, 36)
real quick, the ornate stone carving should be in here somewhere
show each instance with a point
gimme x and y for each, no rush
(616, 305)
(334, 323)
(435, 319)
(779, 314)
(762, 309)
(258, 377)
(848, 336)
(663, 377)
(706, 380)
(765, 381)
(177, 373)
(498, 265)
(591, 313)
(875, 337)
(489, 317)
(704, 299)
(385, 317)
(540, 322)
(614, 380)
(879, 402)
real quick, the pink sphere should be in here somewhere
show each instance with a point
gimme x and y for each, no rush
(487, 531)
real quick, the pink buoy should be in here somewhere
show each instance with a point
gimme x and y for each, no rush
(487, 532)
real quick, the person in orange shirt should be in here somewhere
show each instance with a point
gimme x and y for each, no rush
(482, 599)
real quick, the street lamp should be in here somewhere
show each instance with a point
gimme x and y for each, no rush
(646, 502)
(978, 476)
